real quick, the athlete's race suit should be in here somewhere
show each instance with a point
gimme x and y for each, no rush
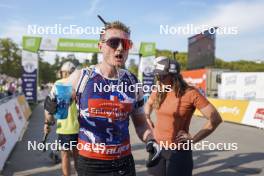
(104, 111)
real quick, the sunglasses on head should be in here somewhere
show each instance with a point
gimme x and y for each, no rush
(115, 41)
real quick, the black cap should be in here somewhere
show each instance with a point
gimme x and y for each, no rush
(164, 66)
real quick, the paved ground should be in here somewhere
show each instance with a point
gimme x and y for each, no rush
(247, 160)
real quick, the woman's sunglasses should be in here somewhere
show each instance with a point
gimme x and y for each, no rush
(114, 43)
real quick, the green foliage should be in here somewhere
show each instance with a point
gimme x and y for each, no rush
(242, 65)
(10, 58)
(182, 58)
(47, 72)
(94, 60)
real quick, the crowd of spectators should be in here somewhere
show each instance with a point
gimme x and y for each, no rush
(9, 86)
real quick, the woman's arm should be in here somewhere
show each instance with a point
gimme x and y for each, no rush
(214, 119)
(148, 109)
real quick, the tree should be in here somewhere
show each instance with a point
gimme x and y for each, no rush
(47, 72)
(10, 58)
(94, 60)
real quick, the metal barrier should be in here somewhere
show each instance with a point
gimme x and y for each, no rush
(7, 98)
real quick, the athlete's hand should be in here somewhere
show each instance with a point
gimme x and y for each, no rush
(46, 129)
(50, 105)
(183, 136)
(47, 125)
(154, 153)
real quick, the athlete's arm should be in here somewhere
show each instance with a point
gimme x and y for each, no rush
(49, 120)
(143, 130)
(148, 107)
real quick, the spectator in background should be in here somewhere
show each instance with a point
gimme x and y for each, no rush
(67, 129)
(11, 89)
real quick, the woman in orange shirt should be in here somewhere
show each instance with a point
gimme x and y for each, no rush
(174, 110)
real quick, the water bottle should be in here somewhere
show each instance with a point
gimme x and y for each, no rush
(63, 93)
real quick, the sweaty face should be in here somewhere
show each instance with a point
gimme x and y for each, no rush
(115, 46)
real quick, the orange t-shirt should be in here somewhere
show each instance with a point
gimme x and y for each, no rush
(175, 113)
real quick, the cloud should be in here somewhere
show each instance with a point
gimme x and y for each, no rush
(247, 16)
(14, 30)
(93, 7)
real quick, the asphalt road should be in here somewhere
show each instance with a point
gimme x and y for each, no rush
(248, 159)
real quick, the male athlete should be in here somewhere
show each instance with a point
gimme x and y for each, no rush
(103, 142)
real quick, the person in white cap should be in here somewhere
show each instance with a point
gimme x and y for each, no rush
(67, 129)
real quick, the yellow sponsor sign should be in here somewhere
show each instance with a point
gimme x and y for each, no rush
(24, 105)
(230, 110)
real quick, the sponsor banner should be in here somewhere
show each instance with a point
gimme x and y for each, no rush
(146, 68)
(237, 85)
(147, 49)
(196, 78)
(148, 80)
(77, 45)
(29, 75)
(230, 110)
(31, 43)
(12, 122)
(146, 65)
(2, 139)
(255, 114)
(23, 104)
(49, 44)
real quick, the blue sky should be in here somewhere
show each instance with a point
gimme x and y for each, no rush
(144, 19)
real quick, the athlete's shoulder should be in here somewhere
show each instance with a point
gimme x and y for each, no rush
(63, 80)
(129, 74)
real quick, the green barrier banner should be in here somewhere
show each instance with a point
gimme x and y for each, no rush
(77, 45)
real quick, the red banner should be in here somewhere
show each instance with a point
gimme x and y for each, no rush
(196, 78)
